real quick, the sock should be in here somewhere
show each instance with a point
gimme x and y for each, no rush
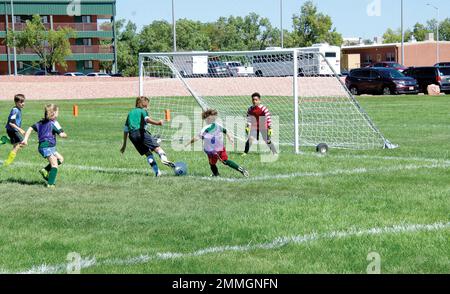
(49, 167)
(162, 155)
(214, 170)
(232, 164)
(153, 164)
(12, 155)
(272, 148)
(52, 176)
(164, 159)
(247, 146)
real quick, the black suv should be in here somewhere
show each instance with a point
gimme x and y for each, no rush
(430, 76)
(380, 80)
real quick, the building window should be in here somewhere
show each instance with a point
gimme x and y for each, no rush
(88, 64)
(368, 59)
(20, 65)
(17, 18)
(87, 42)
(44, 19)
(86, 19)
(390, 56)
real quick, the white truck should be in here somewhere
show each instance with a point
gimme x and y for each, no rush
(237, 69)
(191, 66)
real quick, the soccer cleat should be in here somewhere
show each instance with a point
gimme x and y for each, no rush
(158, 174)
(44, 174)
(168, 163)
(244, 172)
(215, 176)
(243, 154)
(51, 186)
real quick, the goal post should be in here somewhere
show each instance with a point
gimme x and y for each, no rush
(301, 88)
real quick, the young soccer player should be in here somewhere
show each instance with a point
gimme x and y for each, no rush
(144, 142)
(14, 128)
(213, 144)
(259, 121)
(47, 129)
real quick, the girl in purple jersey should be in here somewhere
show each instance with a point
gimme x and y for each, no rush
(47, 130)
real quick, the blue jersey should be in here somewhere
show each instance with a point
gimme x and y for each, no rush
(15, 117)
(47, 131)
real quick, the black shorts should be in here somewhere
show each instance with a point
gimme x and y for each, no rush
(143, 141)
(15, 137)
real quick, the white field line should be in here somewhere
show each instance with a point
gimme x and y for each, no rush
(272, 245)
(337, 172)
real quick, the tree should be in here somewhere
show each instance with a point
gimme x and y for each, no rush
(444, 30)
(312, 27)
(128, 47)
(52, 47)
(420, 31)
(391, 36)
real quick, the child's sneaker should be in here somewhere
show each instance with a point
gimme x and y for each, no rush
(159, 174)
(215, 176)
(244, 172)
(44, 174)
(51, 186)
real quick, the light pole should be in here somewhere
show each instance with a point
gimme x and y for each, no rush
(174, 27)
(403, 37)
(281, 23)
(13, 30)
(437, 28)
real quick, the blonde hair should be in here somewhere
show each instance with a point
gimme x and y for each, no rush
(208, 113)
(141, 100)
(50, 111)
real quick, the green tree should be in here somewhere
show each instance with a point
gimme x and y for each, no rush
(128, 47)
(444, 30)
(391, 36)
(312, 27)
(52, 47)
(420, 31)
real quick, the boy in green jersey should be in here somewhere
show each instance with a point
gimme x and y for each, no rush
(144, 142)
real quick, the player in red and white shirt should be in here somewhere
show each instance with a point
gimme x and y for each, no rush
(259, 121)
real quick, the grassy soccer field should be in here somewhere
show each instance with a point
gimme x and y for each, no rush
(300, 214)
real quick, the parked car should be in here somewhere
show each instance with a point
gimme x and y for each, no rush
(380, 80)
(117, 75)
(74, 74)
(98, 74)
(237, 69)
(442, 64)
(389, 64)
(218, 69)
(431, 75)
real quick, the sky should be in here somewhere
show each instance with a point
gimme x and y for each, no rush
(352, 18)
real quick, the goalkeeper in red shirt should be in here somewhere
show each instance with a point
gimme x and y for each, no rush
(259, 121)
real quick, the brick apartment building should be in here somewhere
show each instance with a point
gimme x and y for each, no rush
(416, 53)
(96, 23)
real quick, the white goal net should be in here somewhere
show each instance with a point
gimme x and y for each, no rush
(301, 88)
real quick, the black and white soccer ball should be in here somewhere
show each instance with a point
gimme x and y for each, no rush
(322, 148)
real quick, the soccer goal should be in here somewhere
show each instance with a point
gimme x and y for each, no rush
(301, 88)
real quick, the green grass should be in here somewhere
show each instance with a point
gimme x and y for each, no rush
(118, 212)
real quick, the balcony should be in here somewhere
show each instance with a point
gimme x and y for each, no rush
(78, 27)
(76, 49)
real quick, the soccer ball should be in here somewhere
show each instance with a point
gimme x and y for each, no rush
(180, 169)
(322, 148)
